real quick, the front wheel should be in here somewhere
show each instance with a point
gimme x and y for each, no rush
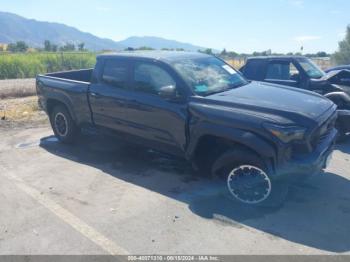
(63, 125)
(247, 180)
(249, 184)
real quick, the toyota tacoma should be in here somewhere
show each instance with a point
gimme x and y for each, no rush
(256, 138)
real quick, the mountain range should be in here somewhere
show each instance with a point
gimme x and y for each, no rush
(15, 28)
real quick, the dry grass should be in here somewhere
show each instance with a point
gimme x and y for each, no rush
(17, 88)
(21, 110)
(236, 63)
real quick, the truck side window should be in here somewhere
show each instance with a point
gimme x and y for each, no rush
(282, 71)
(115, 73)
(252, 70)
(150, 78)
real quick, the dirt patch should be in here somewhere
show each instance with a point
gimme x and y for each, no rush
(20, 112)
(17, 88)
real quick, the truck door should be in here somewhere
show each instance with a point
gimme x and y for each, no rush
(126, 99)
(109, 94)
(160, 123)
(283, 73)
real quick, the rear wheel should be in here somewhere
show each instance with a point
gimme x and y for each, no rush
(63, 125)
(247, 179)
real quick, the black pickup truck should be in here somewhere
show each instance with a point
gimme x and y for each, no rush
(301, 72)
(255, 137)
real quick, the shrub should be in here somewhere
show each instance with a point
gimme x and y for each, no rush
(28, 65)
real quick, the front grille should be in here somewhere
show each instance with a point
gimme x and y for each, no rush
(318, 136)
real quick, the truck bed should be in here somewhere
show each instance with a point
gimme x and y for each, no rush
(71, 87)
(83, 75)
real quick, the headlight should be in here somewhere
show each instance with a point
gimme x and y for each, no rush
(286, 133)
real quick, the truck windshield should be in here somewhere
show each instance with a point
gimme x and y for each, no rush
(208, 75)
(312, 70)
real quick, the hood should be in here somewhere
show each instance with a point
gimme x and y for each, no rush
(334, 81)
(337, 74)
(339, 77)
(274, 99)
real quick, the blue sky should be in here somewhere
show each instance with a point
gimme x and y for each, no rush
(242, 26)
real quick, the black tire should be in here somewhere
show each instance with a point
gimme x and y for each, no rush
(63, 125)
(233, 166)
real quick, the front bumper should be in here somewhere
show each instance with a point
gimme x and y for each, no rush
(305, 165)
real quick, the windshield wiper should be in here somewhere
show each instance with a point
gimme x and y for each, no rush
(230, 87)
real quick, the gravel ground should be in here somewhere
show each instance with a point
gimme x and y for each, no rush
(17, 87)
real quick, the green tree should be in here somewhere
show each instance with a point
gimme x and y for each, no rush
(54, 48)
(208, 51)
(232, 54)
(223, 52)
(19, 46)
(12, 47)
(342, 56)
(81, 47)
(67, 47)
(321, 54)
(47, 46)
(145, 48)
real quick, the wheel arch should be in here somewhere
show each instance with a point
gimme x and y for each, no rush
(227, 138)
(52, 102)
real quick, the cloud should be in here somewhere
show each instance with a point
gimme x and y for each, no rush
(307, 38)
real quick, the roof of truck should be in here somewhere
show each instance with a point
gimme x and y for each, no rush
(277, 57)
(158, 55)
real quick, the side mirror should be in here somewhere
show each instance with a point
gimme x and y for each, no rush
(167, 92)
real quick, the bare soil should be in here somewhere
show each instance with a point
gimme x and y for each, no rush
(12, 88)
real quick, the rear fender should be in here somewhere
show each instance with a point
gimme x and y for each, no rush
(60, 98)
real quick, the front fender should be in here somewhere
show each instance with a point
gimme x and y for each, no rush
(242, 137)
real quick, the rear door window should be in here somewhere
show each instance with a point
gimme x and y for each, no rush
(253, 70)
(281, 70)
(115, 73)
